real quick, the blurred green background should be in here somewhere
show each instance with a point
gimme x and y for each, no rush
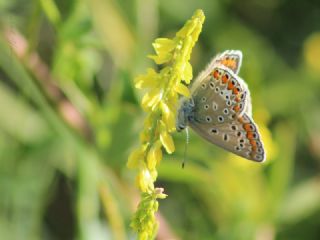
(69, 117)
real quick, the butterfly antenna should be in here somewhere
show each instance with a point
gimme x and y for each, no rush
(185, 148)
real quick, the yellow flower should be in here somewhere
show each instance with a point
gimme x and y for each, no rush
(135, 157)
(144, 180)
(160, 101)
(182, 89)
(166, 138)
(154, 155)
(151, 99)
(148, 80)
(168, 115)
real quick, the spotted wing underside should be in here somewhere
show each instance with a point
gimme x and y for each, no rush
(222, 108)
(220, 97)
(240, 136)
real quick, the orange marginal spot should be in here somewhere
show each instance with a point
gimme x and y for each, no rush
(247, 127)
(253, 144)
(235, 90)
(225, 78)
(216, 74)
(230, 63)
(236, 108)
(254, 148)
(224, 62)
(237, 99)
(230, 85)
(250, 135)
(240, 119)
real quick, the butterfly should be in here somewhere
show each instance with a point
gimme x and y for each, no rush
(220, 108)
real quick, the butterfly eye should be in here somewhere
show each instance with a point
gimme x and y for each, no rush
(225, 111)
(211, 85)
(206, 107)
(203, 99)
(203, 85)
(233, 127)
(208, 119)
(216, 89)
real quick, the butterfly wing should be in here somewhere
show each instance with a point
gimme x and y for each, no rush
(232, 59)
(221, 114)
(220, 97)
(240, 136)
(221, 108)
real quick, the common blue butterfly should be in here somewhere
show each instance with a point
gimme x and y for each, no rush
(219, 109)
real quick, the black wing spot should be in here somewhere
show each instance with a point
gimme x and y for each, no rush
(260, 150)
(220, 119)
(214, 106)
(225, 137)
(213, 130)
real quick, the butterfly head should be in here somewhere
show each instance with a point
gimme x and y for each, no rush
(185, 113)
